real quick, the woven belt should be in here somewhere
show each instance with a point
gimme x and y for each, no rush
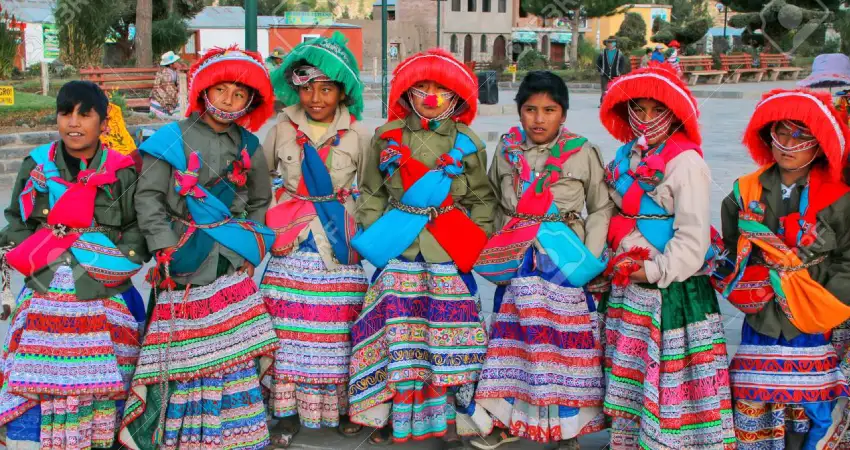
(340, 196)
(568, 217)
(200, 226)
(802, 266)
(648, 216)
(61, 230)
(431, 211)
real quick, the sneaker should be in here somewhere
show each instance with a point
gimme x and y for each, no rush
(495, 440)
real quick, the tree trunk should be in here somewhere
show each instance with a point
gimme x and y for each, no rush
(170, 7)
(144, 19)
(574, 25)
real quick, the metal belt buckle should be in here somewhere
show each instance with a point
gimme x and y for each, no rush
(60, 230)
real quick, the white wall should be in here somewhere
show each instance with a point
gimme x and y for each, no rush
(34, 44)
(218, 37)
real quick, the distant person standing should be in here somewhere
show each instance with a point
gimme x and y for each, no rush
(611, 63)
(644, 61)
(673, 59)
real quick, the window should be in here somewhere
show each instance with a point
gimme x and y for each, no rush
(485, 5)
(503, 6)
(455, 5)
(307, 37)
(453, 44)
(483, 43)
(470, 5)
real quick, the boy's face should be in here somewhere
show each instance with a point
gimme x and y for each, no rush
(646, 110)
(431, 88)
(80, 131)
(542, 118)
(792, 161)
(229, 97)
(320, 99)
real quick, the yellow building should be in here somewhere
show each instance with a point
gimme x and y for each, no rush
(602, 27)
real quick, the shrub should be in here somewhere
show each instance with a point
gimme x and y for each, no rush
(632, 32)
(169, 34)
(10, 37)
(586, 54)
(532, 60)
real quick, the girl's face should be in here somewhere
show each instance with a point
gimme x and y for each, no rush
(430, 88)
(646, 110)
(541, 118)
(320, 99)
(229, 97)
(792, 161)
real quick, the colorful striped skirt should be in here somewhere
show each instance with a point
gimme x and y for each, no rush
(666, 367)
(783, 387)
(205, 339)
(312, 309)
(841, 342)
(66, 364)
(543, 376)
(418, 340)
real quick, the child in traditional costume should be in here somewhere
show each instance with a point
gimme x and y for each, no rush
(201, 199)
(788, 229)
(427, 206)
(541, 260)
(665, 353)
(73, 340)
(314, 283)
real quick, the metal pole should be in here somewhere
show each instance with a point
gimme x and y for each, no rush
(439, 19)
(725, 19)
(384, 83)
(251, 25)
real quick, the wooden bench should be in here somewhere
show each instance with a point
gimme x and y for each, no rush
(700, 66)
(135, 83)
(738, 65)
(777, 64)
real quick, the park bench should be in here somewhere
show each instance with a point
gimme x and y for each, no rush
(738, 65)
(777, 64)
(134, 83)
(700, 66)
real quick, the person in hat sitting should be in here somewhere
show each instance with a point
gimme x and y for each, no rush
(165, 95)
(275, 59)
(611, 63)
(658, 54)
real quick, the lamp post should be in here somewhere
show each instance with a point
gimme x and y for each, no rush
(722, 8)
(439, 19)
(384, 83)
(251, 25)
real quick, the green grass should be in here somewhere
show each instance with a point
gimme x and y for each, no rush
(33, 85)
(25, 101)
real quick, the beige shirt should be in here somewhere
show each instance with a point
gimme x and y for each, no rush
(344, 163)
(684, 192)
(581, 188)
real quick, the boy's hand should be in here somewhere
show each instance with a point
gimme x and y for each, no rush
(248, 269)
(7, 311)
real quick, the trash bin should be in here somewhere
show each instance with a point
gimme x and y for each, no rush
(488, 87)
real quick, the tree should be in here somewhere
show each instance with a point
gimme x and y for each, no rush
(780, 20)
(264, 7)
(81, 33)
(144, 26)
(574, 10)
(162, 9)
(689, 26)
(632, 32)
(345, 13)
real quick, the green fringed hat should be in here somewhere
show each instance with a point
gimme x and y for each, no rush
(333, 58)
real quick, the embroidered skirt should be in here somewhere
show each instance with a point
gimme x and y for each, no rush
(66, 363)
(841, 343)
(419, 336)
(206, 338)
(312, 309)
(543, 376)
(666, 367)
(788, 386)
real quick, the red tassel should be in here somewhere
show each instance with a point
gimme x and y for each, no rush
(623, 265)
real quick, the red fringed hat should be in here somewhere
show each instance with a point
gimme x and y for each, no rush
(439, 66)
(233, 65)
(814, 109)
(657, 82)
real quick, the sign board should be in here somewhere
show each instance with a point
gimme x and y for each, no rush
(308, 18)
(512, 68)
(50, 41)
(7, 95)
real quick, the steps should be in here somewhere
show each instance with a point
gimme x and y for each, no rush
(15, 147)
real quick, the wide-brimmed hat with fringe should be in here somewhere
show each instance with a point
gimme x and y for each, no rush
(334, 59)
(233, 65)
(657, 82)
(813, 109)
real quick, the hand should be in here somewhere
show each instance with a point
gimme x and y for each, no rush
(248, 269)
(639, 276)
(7, 311)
